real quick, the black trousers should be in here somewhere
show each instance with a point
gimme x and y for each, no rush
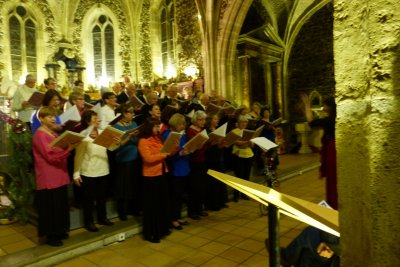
(156, 210)
(94, 191)
(197, 188)
(242, 169)
(53, 211)
(177, 190)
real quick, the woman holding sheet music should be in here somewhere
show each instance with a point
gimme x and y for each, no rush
(198, 165)
(218, 195)
(268, 132)
(243, 156)
(179, 168)
(156, 211)
(128, 185)
(51, 180)
(52, 99)
(90, 172)
(328, 149)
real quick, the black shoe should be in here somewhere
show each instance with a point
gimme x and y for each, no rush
(91, 228)
(245, 197)
(204, 214)
(63, 236)
(183, 222)
(54, 242)
(153, 240)
(194, 217)
(167, 233)
(106, 222)
(176, 226)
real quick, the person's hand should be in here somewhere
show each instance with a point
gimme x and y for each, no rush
(72, 146)
(243, 144)
(324, 250)
(78, 181)
(134, 133)
(117, 140)
(25, 104)
(174, 151)
(184, 152)
(306, 107)
(222, 143)
(306, 100)
(58, 127)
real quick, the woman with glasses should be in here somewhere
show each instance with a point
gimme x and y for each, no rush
(128, 185)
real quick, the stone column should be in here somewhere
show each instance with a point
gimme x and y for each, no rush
(278, 100)
(245, 70)
(367, 75)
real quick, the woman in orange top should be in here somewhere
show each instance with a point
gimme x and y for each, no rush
(156, 216)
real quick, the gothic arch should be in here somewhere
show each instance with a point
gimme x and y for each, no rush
(115, 11)
(45, 30)
(230, 23)
(87, 39)
(290, 38)
(232, 15)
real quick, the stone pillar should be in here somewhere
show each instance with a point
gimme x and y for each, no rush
(268, 83)
(245, 70)
(278, 101)
(367, 75)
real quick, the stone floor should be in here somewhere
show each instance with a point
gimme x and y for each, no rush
(231, 237)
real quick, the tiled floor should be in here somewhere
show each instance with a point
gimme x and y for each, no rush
(231, 237)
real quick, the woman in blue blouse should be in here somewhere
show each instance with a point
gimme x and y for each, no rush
(127, 184)
(51, 99)
(178, 165)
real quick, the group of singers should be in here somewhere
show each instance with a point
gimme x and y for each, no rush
(143, 179)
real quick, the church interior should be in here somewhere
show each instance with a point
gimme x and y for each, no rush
(246, 51)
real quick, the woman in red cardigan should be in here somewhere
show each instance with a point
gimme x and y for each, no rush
(156, 216)
(51, 180)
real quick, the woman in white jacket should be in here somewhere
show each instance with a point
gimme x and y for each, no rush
(90, 172)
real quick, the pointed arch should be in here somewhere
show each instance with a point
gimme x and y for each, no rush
(85, 15)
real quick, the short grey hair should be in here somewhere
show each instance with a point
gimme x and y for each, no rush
(30, 77)
(242, 118)
(199, 114)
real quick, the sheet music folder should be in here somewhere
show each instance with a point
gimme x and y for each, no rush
(310, 213)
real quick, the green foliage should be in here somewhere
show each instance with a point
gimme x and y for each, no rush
(145, 49)
(189, 35)
(20, 185)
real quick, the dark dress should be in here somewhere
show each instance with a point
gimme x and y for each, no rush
(328, 158)
(216, 190)
(196, 183)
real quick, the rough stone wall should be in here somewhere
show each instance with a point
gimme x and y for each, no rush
(367, 74)
(311, 59)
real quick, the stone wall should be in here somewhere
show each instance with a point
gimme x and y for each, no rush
(311, 59)
(367, 74)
